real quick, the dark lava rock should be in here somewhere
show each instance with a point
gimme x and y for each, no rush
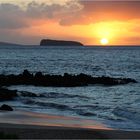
(6, 94)
(26, 73)
(66, 80)
(6, 107)
(49, 42)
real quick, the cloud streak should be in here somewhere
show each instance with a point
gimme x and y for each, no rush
(12, 16)
(28, 20)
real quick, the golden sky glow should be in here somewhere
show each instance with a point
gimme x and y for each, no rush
(104, 41)
(86, 21)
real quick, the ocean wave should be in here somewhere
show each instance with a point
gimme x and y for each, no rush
(63, 95)
(61, 107)
(94, 107)
(127, 113)
(29, 94)
(50, 95)
(85, 113)
(47, 104)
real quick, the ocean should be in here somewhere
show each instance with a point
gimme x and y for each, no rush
(115, 106)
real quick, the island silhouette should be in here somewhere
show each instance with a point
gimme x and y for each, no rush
(50, 42)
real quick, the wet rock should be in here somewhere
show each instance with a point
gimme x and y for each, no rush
(6, 94)
(26, 73)
(66, 80)
(6, 107)
(38, 75)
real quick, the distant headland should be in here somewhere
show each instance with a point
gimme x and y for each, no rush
(9, 44)
(49, 42)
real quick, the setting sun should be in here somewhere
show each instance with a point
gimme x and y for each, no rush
(104, 41)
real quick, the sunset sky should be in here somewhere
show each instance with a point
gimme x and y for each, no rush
(28, 21)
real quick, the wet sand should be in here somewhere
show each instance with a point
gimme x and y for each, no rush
(36, 125)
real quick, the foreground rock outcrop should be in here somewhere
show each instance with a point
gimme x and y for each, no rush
(67, 80)
(10, 95)
(49, 42)
(5, 107)
(6, 94)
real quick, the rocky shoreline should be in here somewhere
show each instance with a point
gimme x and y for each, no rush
(40, 79)
(66, 80)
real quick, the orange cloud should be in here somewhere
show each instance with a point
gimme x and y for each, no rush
(85, 21)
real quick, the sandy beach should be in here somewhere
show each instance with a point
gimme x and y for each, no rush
(29, 125)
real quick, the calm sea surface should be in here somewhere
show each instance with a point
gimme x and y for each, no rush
(116, 106)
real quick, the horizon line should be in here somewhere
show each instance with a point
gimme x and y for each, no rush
(89, 45)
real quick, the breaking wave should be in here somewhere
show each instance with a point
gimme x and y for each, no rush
(127, 113)
(50, 95)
